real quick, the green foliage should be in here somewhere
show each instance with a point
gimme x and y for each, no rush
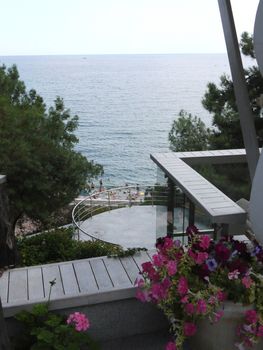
(44, 330)
(58, 245)
(44, 172)
(188, 133)
(246, 45)
(219, 100)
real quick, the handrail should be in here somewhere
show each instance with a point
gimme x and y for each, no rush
(107, 200)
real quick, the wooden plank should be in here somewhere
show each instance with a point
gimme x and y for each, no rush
(69, 279)
(35, 283)
(4, 287)
(51, 272)
(117, 272)
(141, 258)
(18, 285)
(101, 274)
(85, 277)
(131, 268)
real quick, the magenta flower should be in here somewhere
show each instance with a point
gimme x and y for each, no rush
(184, 299)
(159, 291)
(158, 260)
(148, 268)
(218, 315)
(247, 281)
(221, 296)
(222, 252)
(139, 282)
(171, 267)
(79, 321)
(190, 309)
(200, 258)
(182, 287)
(201, 306)
(171, 346)
(260, 331)
(205, 242)
(189, 329)
(142, 295)
(251, 316)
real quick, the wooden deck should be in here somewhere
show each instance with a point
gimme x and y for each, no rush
(218, 207)
(79, 282)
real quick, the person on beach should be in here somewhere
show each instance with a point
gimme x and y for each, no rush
(101, 184)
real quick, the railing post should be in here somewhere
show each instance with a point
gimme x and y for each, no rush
(109, 203)
(91, 204)
(170, 207)
(191, 221)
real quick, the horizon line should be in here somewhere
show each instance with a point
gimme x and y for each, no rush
(112, 54)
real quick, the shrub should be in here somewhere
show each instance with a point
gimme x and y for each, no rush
(58, 245)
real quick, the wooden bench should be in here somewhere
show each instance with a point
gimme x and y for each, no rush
(103, 288)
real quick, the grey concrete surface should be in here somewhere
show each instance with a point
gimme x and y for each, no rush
(130, 227)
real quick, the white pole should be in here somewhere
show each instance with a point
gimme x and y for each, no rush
(240, 88)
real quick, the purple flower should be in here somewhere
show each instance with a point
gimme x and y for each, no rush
(212, 264)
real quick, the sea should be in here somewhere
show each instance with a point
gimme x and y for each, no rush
(126, 103)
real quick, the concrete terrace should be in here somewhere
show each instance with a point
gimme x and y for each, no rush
(128, 227)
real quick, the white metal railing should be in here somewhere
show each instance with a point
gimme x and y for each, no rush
(114, 198)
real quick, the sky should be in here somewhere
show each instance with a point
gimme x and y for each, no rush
(49, 27)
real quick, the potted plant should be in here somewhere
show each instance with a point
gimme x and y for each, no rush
(46, 330)
(207, 280)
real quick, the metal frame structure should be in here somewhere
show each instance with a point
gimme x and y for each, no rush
(241, 93)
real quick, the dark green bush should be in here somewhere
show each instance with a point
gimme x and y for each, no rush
(58, 245)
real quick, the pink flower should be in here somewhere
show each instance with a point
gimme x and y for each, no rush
(201, 306)
(221, 296)
(148, 268)
(190, 309)
(171, 267)
(171, 346)
(233, 275)
(247, 281)
(159, 291)
(158, 260)
(143, 295)
(182, 287)
(260, 331)
(184, 299)
(200, 258)
(212, 300)
(251, 316)
(139, 282)
(189, 329)
(218, 315)
(79, 321)
(205, 242)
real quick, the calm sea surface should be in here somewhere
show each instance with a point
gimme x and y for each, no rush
(125, 103)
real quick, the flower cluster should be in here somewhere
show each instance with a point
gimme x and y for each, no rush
(192, 282)
(79, 321)
(250, 330)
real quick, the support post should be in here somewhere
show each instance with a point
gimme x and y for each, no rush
(191, 213)
(4, 339)
(240, 88)
(170, 208)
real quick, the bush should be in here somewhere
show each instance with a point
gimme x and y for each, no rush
(58, 245)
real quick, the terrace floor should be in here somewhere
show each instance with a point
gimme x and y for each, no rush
(130, 227)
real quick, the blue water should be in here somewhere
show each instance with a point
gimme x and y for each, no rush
(125, 103)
